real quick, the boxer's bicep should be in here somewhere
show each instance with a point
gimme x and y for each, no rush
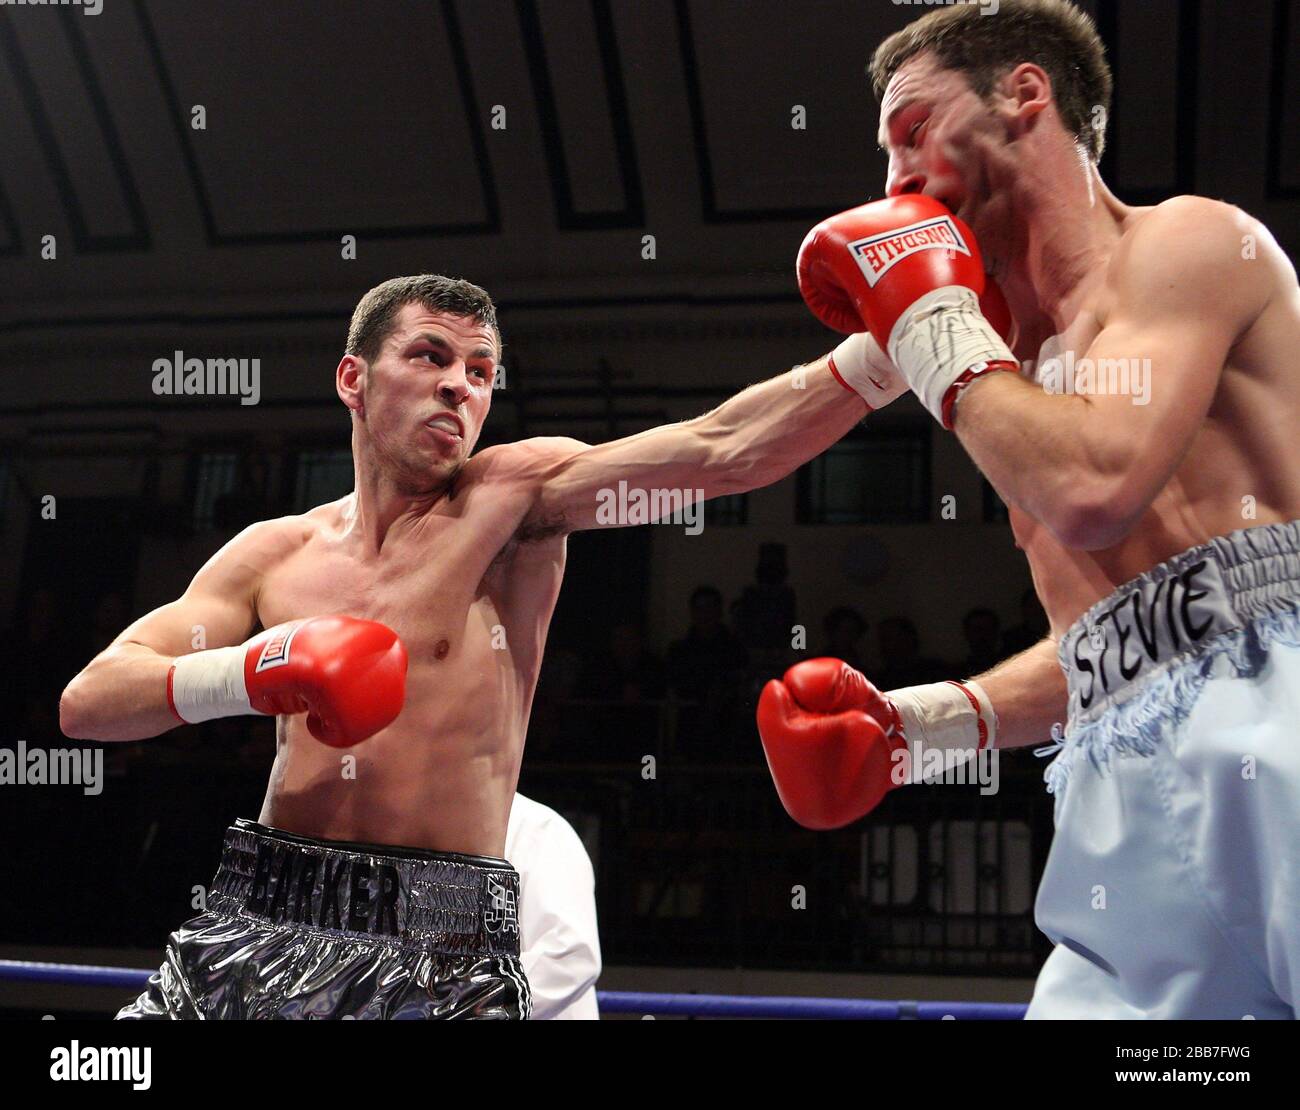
(754, 438)
(1150, 383)
(193, 622)
(1183, 295)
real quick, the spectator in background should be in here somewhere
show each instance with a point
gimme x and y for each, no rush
(765, 614)
(844, 628)
(559, 943)
(983, 631)
(628, 672)
(707, 668)
(901, 662)
(709, 656)
(1032, 626)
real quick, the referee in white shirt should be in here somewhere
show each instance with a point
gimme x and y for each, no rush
(558, 938)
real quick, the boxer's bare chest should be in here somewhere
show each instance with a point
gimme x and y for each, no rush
(428, 581)
(1203, 496)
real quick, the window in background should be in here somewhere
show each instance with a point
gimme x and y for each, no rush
(215, 474)
(731, 511)
(321, 476)
(881, 478)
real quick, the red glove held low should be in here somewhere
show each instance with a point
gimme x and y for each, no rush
(347, 675)
(830, 738)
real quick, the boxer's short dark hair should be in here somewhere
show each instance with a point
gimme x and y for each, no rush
(1053, 34)
(372, 320)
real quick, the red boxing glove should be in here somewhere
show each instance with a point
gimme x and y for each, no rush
(348, 675)
(910, 272)
(830, 738)
(866, 265)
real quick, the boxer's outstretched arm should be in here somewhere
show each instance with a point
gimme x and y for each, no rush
(1028, 695)
(122, 693)
(1089, 466)
(751, 440)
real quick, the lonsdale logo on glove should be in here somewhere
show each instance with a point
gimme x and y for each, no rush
(876, 254)
(276, 651)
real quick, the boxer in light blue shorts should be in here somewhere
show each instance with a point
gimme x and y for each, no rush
(1173, 885)
(1140, 420)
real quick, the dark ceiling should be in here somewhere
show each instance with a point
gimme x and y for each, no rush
(669, 118)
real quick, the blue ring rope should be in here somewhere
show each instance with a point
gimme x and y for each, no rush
(643, 1003)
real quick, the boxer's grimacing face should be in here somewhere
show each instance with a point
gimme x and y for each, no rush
(945, 141)
(424, 398)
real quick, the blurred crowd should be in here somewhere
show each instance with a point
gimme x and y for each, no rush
(696, 695)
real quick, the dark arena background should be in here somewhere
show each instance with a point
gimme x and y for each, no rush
(631, 182)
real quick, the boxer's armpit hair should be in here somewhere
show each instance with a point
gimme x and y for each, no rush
(543, 528)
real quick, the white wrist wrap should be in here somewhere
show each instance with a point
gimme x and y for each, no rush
(941, 336)
(863, 367)
(210, 684)
(946, 716)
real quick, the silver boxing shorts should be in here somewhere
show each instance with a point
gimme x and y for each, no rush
(302, 928)
(1172, 889)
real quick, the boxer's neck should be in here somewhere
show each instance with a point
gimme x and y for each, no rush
(381, 499)
(1069, 223)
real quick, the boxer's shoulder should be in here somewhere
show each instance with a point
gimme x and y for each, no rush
(1189, 251)
(524, 459)
(1179, 229)
(240, 567)
(267, 542)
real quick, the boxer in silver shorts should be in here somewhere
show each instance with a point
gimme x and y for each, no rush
(405, 623)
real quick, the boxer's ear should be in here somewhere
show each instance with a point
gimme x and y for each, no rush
(1026, 91)
(349, 382)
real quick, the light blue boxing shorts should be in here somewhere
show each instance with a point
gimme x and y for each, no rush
(1172, 889)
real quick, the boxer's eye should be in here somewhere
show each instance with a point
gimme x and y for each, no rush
(915, 130)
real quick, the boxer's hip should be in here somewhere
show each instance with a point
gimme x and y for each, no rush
(298, 927)
(1137, 661)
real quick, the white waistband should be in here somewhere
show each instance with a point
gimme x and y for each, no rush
(1176, 611)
